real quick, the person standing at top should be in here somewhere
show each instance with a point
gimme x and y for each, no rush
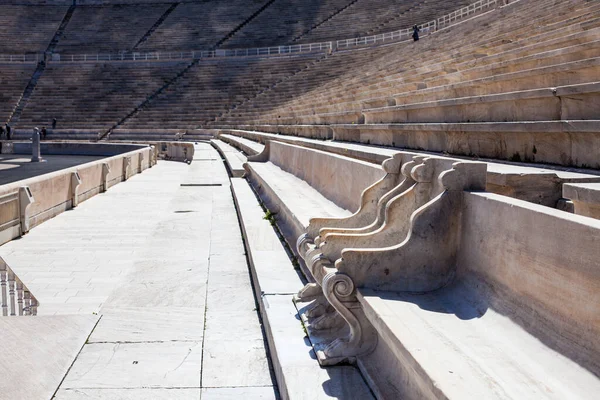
(53, 123)
(416, 31)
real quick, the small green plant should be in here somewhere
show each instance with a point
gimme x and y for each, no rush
(304, 328)
(295, 263)
(270, 216)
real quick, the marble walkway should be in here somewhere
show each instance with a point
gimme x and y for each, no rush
(160, 262)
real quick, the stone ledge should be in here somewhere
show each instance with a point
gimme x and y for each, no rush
(233, 158)
(298, 373)
(585, 197)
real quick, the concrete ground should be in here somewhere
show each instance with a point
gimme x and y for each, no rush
(16, 167)
(159, 261)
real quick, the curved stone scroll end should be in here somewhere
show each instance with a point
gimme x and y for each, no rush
(263, 156)
(465, 176)
(424, 171)
(302, 244)
(340, 291)
(392, 165)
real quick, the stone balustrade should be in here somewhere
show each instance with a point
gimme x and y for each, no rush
(27, 203)
(16, 299)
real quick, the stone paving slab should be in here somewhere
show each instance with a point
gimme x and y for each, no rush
(94, 247)
(234, 348)
(128, 394)
(181, 321)
(144, 324)
(36, 353)
(249, 393)
(136, 365)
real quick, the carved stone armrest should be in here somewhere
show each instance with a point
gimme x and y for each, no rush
(423, 262)
(377, 210)
(368, 202)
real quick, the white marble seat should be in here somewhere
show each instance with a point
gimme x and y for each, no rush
(293, 201)
(247, 146)
(505, 327)
(454, 343)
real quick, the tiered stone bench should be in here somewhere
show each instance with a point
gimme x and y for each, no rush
(446, 343)
(187, 26)
(286, 177)
(573, 102)
(276, 280)
(46, 19)
(249, 147)
(234, 159)
(92, 27)
(93, 96)
(534, 183)
(585, 198)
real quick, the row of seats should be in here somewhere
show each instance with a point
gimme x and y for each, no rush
(97, 96)
(283, 21)
(550, 74)
(28, 28)
(93, 96)
(492, 323)
(104, 27)
(212, 87)
(199, 26)
(108, 28)
(372, 17)
(412, 75)
(13, 80)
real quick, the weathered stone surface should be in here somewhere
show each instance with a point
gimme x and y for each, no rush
(249, 393)
(128, 394)
(299, 375)
(38, 351)
(149, 324)
(585, 197)
(136, 365)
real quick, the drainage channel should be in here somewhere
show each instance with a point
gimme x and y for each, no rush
(200, 184)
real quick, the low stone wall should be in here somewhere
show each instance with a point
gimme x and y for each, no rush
(69, 148)
(567, 143)
(29, 202)
(169, 150)
(340, 179)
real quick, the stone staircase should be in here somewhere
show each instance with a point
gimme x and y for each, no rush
(265, 90)
(22, 103)
(336, 12)
(243, 24)
(156, 25)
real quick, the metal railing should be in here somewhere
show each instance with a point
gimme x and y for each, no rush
(187, 55)
(389, 37)
(22, 58)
